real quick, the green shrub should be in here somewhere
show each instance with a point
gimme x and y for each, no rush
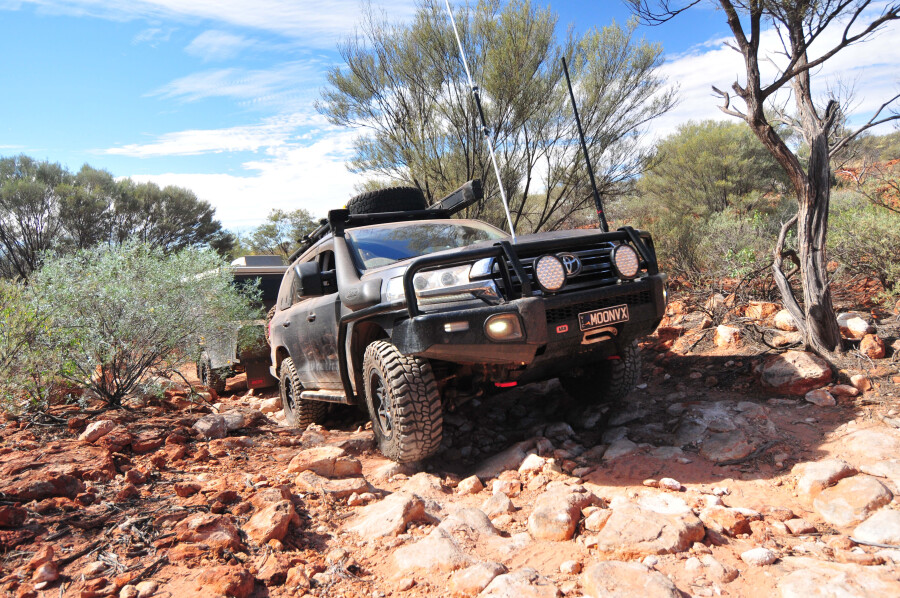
(865, 239)
(25, 380)
(121, 315)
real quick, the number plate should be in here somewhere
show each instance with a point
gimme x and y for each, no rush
(603, 317)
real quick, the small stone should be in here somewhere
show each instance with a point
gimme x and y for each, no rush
(472, 580)
(785, 321)
(724, 446)
(727, 336)
(844, 390)
(437, 551)
(650, 483)
(619, 448)
(872, 346)
(407, 583)
(596, 520)
(510, 488)
(532, 464)
(128, 591)
(818, 475)
(147, 588)
(94, 569)
(795, 373)
(327, 461)
(235, 582)
(271, 522)
(388, 517)
(670, 484)
(185, 489)
(570, 568)
(725, 520)
(211, 426)
(861, 383)
(470, 485)
(97, 430)
(759, 557)
(820, 397)
(521, 583)
(800, 526)
(46, 572)
(270, 405)
(497, 504)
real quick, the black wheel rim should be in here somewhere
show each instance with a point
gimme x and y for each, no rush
(381, 402)
(288, 399)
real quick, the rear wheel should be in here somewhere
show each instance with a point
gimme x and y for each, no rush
(299, 413)
(391, 199)
(404, 403)
(607, 381)
(209, 376)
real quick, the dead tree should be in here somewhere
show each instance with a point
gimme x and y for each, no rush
(798, 23)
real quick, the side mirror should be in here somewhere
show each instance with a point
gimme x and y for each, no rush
(310, 279)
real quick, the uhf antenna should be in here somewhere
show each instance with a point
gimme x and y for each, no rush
(484, 128)
(603, 225)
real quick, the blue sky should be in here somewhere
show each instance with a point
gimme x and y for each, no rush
(216, 95)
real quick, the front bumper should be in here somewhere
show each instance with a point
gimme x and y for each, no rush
(550, 325)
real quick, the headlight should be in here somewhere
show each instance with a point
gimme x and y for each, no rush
(625, 261)
(427, 283)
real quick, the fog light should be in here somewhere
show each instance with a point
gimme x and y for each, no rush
(550, 273)
(456, 326)
(625, 261)
(503, 327)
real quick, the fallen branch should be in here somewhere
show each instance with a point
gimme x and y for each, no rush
(875, 544)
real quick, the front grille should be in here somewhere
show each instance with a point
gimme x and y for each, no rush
(569, 312)
(596, 271)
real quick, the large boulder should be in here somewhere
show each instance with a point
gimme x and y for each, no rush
(633, 531)
(881, 528)
(216, 531)
(626, 580)
(437, 551)
(817, 579)
(328, 461)
(557, 512)
(818, 475)
(795, 373)
(852, 500)
(271, 522)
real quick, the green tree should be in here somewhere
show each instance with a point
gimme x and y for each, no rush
(86, 207)
(30, 222)
(798, 24)
(405, 87)
(711, 166)
(121, 313)
(279, 233)
(171, 218)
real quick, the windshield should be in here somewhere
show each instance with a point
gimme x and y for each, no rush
(385, 245)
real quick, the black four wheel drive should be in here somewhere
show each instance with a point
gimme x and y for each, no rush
(409, 310)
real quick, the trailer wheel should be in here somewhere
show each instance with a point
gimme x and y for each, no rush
(298, 413)
(607, 381)
(391, 199)
(208, 376)
(404, 403)
(269, 315)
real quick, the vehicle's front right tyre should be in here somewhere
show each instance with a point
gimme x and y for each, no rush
(298, 413)
(607, 381)
(404, 403)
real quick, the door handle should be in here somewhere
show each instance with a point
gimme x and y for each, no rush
(311, 318)
(286, 324)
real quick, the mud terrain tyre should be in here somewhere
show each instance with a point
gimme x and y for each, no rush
(607, 381)
(208, 376)
(404, 403)
(392, 199)
(298, 413)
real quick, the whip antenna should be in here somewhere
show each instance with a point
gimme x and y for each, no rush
(484, 128)
(603, 225)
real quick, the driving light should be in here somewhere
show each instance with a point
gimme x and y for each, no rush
(456, 326)
(503, 327)
(625, 261)
(550, 273)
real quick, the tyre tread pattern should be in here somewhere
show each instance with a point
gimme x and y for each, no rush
(391, 199)
(305, 412)
(417, 411)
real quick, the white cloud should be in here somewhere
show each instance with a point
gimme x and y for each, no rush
(318, 23)
(287, 83)
(871, 66)
(217, 45)
(152, 36)
(272, 132)
(293, 175)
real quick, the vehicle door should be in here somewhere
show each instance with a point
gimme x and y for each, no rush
(321, 317)
(294, 327)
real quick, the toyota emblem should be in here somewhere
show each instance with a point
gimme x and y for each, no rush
(571, 263)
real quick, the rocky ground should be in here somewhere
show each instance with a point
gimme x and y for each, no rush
(731, 470)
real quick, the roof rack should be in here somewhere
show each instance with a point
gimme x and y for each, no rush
(455, 202)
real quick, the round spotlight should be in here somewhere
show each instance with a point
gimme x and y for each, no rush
(550, 273)
(625, 260)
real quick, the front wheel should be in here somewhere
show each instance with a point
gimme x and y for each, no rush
(607, 381)
(404, 403)
(298, 413)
